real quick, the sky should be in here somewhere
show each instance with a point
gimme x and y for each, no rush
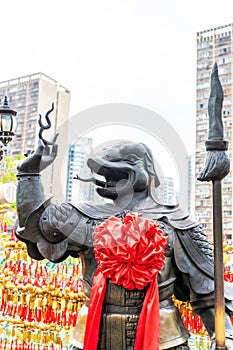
(139, 52)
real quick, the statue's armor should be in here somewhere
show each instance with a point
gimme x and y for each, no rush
(122, 307)
(64, 229)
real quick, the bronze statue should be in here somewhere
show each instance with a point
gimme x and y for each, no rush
(54, 231)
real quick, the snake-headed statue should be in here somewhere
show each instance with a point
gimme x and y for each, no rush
(136, 253)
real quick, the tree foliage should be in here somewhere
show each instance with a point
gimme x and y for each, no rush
(8, 171)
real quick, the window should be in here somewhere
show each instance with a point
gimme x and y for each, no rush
(200, 148)
(227, 225)
(226, 112)
(203, 75)
(224, 70)
(13, 89)
(224, 60)
(202, 95)
(203, 193)
(202, 116)
(34, 85)
(227, 91)
(228, 123)
(204, 225)
(225, 81)
(34, 93)
(227, 202)
(202, 105)
(22, 87)
(227, 190)
(204, 65)
(205, 85)
(226, 102)
(228, 134)
(203, 214)
(227, 179)
(203, 54)
(12, 97)
(202, 127)
(224, 50)
(223, 40)
(204, 44)
(201, 137)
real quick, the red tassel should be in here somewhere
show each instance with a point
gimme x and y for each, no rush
(12, 238)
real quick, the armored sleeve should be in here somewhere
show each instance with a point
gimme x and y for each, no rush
(56, 231)
(194, 258)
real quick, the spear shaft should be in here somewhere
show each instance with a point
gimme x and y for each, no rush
(220, 330)
(217, 166)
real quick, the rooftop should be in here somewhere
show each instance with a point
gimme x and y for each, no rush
(221, 31)
(27, 78)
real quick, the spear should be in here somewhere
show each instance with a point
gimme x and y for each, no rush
(217, 166)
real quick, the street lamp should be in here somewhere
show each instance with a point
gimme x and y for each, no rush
(8, 125)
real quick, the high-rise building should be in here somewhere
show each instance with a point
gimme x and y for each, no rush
(166, 191)
(30, 96)
(190, 166)
(213, 45)
(77, 190)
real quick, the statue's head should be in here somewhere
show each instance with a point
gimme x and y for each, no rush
(124, 168)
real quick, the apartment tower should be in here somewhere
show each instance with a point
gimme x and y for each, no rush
(213, 45)
(30, 96)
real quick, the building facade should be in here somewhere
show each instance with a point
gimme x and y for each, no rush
(79, 191)
(30, 96)
(213, 45)
(166, 191)
(77, 157)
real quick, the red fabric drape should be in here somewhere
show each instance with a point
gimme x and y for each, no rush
(147, 337)
(95, 311)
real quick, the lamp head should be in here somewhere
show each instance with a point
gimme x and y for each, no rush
(8, 122)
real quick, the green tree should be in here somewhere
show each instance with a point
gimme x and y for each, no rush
(9, 169)
(8, 172)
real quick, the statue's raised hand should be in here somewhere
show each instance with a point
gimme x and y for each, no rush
(45, 153)
(43, 156)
